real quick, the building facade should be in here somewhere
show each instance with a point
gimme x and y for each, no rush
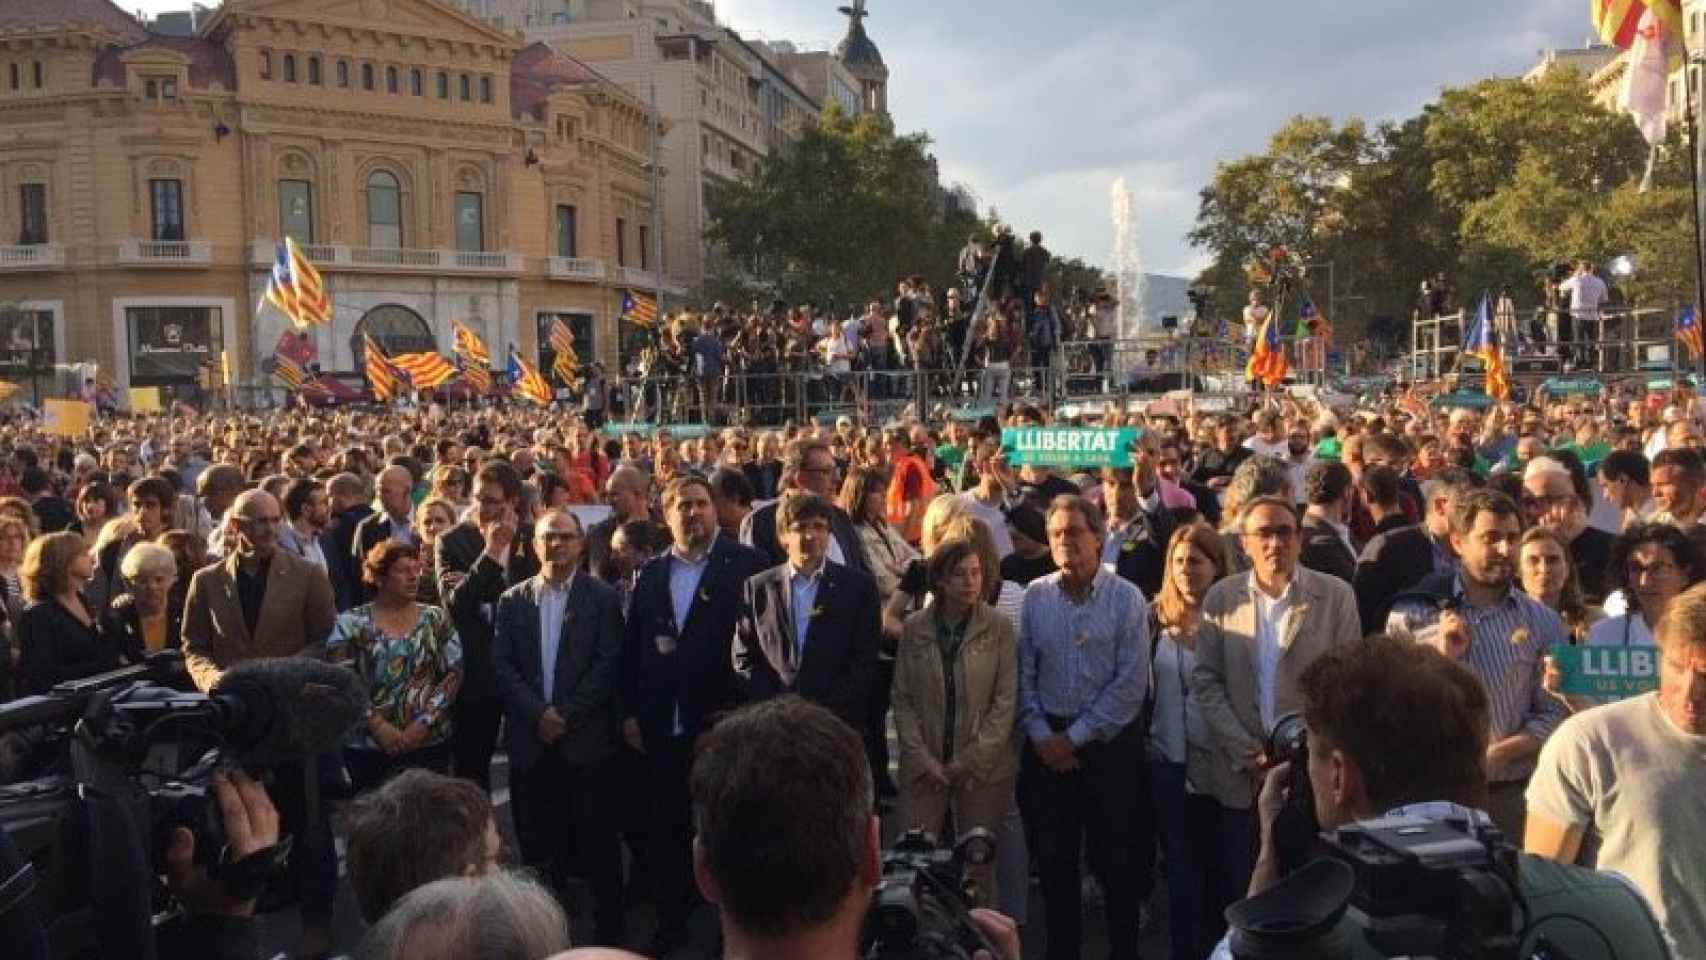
(434, 168)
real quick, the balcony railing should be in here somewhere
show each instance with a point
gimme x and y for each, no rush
(635, 277)
(32, 256)
(574, 268)
(165, 253)
(337, 256)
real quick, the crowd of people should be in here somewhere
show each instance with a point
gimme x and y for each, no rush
(1078, 661)
(770, 360)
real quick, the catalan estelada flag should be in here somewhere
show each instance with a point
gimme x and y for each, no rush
(384, 378)
(296, 289)
(425, 370)
(1688, 334)
(1618, 21)
(527, 380)
(567, 363)
(1267, 359)
(1483, 344)
(640, 309)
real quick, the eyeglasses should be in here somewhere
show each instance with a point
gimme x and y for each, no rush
(550, 535)
(1664, 568)
(1275, 534)
(1548, 502)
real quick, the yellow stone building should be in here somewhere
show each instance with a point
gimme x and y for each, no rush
(434, 167)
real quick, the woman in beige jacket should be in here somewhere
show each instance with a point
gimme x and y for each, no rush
(955, 702)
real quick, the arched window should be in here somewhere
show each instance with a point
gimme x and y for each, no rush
(485, 89)
(266, 64)
(343, 73)
(290, 68)
(416, 87)
(367, 76)
(463, 87)
(396, 329)
(391, 80)
(443, 85)
(314, 70)
(384, 211)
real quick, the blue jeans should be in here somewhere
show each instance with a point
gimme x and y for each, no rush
(1208, 853)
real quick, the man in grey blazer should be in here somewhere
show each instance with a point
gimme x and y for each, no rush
(556, 652)
(1260, 630)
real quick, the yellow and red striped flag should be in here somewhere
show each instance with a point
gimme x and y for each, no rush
(640, 309)
(296, 289)
(384, 378)
(472, 357)
(1267, 359)
(1619, 21)
(425, 370)
(567, 363)
(528, 382)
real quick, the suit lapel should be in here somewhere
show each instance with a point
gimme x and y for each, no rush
(828, 582)
(716, 562)
(235, 602)
(782, 603)
(1297, 612)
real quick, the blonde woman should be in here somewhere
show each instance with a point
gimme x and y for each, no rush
(955, 702)
(1186, 821)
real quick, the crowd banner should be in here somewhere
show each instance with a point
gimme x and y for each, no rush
(1612, 673)
(1069, 446)
(65, 418)
(145, 399)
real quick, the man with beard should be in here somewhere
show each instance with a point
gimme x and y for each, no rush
(1553, 502)
(1500, 634)
(306, 511)
(1216, 465)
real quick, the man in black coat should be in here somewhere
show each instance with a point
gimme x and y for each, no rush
(394, 520)
(808, 626)
(475, 562)
(1138, 525)
(1327, 490)
(349, 506)
(557, 658)
(679, 679)
(1398, 559)
(808, 467)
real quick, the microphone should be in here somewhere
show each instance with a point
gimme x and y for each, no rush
(285, 708)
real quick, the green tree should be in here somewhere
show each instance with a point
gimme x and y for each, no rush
(838, 217)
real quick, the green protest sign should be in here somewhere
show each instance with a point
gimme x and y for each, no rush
(1069, 446)
(1572, 386)
(1610, 673)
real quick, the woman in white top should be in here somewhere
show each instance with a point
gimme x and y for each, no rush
(1187, 822)
(1651, 564)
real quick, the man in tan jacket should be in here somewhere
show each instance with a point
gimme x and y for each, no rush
(261, 601)
(1260, 630)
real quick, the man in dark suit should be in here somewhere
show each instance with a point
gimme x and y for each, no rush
(1327, 489)
(1398, 559)
(809, 626)
(557, 657)
(680, 680)
(808, 467)
(476, 561)
(348, 496)
(393, 521)
(629, 494)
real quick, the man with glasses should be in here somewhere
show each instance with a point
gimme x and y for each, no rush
(1551, 499)
(557, 657)
(476, 561)
(808, 467)
(259, 602)
(1260, 630)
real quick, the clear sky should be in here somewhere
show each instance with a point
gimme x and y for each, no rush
(1038, 105)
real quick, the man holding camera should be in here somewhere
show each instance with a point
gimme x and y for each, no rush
(1384, 698)
(789, 847)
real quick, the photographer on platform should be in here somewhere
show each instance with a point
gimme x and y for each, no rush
(1396, 729)
(788, 847)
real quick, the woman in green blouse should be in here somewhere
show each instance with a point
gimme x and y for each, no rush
(408, 654)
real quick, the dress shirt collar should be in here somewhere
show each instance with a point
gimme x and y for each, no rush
(1285, 596)
(677, 553)
(813, 576)
(1458, 592)
(546, 586)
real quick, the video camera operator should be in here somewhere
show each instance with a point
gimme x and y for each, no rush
(1398, 730)
(217, 923)
(789, 848)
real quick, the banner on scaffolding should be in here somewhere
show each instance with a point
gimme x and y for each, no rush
(1069, 446)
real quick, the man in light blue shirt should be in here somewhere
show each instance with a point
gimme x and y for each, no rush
(1083, 674)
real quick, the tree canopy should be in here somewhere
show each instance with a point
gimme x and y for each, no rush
(1490, 184)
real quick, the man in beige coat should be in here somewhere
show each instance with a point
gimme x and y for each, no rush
(1260, 630)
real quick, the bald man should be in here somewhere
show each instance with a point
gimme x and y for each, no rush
(629, 494)
(392, 521)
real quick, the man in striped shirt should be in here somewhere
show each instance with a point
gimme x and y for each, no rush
(1500, 634)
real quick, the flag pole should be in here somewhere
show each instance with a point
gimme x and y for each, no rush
(1691, 111)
